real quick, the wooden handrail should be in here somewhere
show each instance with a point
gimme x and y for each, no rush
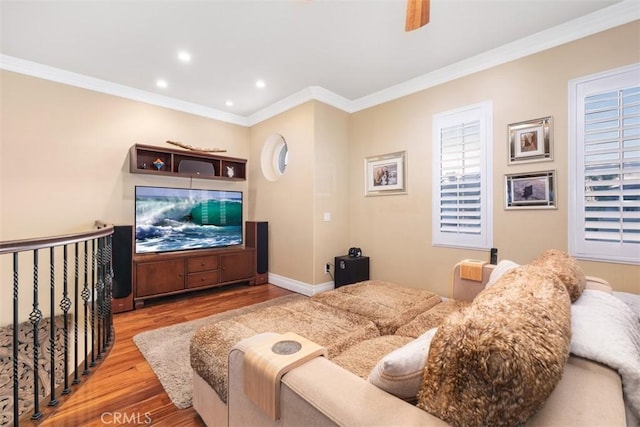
(12, 246)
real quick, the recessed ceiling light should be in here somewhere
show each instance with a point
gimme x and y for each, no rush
(260, 84)
(161, 83)
(184, 56)
(229, 103)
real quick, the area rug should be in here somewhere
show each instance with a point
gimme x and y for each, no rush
(167, 350)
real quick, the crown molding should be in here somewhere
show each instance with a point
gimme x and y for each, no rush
(618, 14)
(604, 19)
(46, 72)
(291, 101)
(311, 93)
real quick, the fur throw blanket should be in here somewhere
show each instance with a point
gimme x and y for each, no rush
(606, 330)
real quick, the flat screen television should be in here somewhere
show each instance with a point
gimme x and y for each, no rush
(178, 219)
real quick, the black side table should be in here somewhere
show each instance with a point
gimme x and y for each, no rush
(350, 270)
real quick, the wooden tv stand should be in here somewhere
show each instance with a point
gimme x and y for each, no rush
(172, 273)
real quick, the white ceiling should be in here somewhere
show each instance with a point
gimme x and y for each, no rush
(343, 50)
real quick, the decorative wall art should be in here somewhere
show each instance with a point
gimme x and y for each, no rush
(385, 174)
(532, 190)
(530, 141)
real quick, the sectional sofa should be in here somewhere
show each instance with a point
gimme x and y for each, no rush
(505, 350)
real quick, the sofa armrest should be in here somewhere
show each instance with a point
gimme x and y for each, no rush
(598, 284)
(349, 400)
(589, 394)
(321, 393)
(465, 289)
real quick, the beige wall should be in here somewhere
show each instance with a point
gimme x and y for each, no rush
(60, 144)
(64, 154)
(396, 230)
(300, 241)
(331, 193)
(64, 159)
(287, 204)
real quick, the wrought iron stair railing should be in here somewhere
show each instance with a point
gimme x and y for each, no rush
(59, 328)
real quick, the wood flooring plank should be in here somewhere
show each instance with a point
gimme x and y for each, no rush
(123, 390)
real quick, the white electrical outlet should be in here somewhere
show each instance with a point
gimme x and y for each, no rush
(327, 268)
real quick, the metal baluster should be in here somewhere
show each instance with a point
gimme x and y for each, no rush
(65, 305)
(93, 303)
(109, 287)
(76, 310)
(99, 294)
(85, 298)
(35, 317)
(16, 380)
(105, 305)
(52, 327)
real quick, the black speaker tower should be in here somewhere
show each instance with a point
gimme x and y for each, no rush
(256, 234)
(122, 292)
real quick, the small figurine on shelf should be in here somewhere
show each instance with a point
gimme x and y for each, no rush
(230, 171)
(158, 163)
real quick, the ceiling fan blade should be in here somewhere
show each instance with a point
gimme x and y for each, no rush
(417, 14)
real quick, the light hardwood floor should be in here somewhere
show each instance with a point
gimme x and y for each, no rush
(124, 390)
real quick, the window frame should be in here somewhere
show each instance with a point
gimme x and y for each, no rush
(483, 113)
(579, 89)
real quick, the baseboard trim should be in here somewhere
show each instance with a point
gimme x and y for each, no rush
(298, 286)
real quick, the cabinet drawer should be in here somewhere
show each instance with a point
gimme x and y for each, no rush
(203, 263)
(195, 280)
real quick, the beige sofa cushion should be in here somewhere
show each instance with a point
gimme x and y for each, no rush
(361, 357)
(386, 304)
(336, 330)
(496, 361)
(431, 318)
(566, 268)
(400, 372)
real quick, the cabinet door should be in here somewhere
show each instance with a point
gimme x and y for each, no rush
(154, 278)
(237, 266)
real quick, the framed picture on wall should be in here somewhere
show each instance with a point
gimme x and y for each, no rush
(385, 174)
(534, 190)
(530, 141)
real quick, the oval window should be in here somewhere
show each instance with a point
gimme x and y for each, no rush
(274, 157)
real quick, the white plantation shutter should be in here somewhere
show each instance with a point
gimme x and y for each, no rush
(605, 166)
(461, 178)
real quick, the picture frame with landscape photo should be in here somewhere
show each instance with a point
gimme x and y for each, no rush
(533, 190)
(530, 141)
(385, 174)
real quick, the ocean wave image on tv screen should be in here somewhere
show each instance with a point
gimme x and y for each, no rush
(166, 222)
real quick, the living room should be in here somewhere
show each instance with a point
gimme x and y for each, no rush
(82, 139)
(64, 164)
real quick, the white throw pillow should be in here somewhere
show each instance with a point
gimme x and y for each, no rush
(499, 270)
(400, 372)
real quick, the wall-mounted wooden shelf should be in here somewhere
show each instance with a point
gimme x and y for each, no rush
(188, 164)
